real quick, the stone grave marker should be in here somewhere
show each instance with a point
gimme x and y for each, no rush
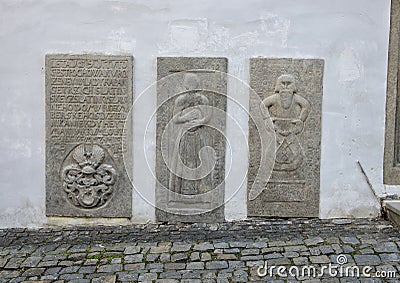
(291, 95)
(88, 98)
(190, 157)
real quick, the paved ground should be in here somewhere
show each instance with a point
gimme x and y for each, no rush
(228, 252)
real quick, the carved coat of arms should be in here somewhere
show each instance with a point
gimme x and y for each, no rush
(88, 181)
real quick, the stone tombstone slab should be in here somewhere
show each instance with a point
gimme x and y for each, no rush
(291, 95)
(88, 98)
(191, 107)
(391, 164)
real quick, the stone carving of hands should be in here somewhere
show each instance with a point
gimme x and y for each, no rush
(193, 119)
(192, 115)
(299, 126)
(286, 126)
(279, 128)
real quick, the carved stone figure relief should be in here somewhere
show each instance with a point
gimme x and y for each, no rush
(190, 142)
(190, 114)
(288, 111)
(88, 98)
(291, 93)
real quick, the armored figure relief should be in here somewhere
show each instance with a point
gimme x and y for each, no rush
(88, 181)
(288, 111)
(189, 135)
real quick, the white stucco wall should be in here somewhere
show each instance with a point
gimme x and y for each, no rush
(352, 37)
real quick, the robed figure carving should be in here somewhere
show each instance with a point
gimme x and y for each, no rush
(191, 162)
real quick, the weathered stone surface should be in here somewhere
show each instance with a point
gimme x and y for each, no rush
(391, 165)
(180, 248)
(350, 240)
(33, 272)
(195, 265)
(313, 241)
(105, 279)
(203, 247)
(217, 265)
(159, 249)
(386, 247)
(205, 257)
(112, 267)
(134, 258)
(127, 277)
(291, 94)
(88, 98)
(191, 106)
(392, 257)
(319, 259)
(131, 250)
(367, 259)
(179, 257)
(31, 261)
(152, 257)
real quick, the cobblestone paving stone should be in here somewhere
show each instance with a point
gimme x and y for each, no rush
(226, 252)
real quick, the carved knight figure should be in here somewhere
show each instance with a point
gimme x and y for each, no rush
(288, 111)
(189, 136)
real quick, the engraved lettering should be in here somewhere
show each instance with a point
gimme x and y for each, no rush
(88, 100)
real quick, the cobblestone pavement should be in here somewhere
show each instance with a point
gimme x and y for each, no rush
(227, 252)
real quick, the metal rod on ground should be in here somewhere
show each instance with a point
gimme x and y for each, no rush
(369, 184)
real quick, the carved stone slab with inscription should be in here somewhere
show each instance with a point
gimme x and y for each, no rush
(190, 157)
(391, 162)
(291, 95)
(88, 98)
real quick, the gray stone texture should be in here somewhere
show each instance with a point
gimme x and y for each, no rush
(112, 267)
(293, 188)
(88, 98)
(195, 94)
(391, 164)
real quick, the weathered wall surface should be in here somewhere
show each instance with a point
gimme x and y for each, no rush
(351, 36)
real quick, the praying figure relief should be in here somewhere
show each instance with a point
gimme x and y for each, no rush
(190, 164)
(289, 112)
